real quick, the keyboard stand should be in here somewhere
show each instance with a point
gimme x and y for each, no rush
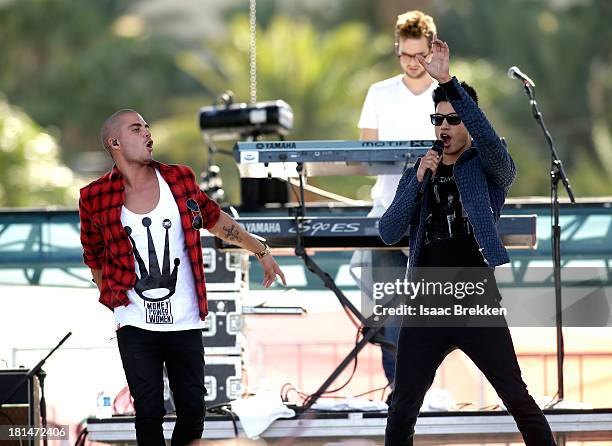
(369, 333)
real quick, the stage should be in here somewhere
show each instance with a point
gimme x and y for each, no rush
(433, 428)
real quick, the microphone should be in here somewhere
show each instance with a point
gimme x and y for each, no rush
(515, 73)
(438, 146)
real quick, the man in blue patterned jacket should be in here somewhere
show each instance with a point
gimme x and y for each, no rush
(454, 225)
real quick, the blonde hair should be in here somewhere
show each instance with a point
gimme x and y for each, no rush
(415, 24)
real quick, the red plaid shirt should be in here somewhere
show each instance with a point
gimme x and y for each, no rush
(106, 245)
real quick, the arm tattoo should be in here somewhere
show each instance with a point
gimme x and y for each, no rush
(231, 233)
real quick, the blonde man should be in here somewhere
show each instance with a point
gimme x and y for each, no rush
(398, 109)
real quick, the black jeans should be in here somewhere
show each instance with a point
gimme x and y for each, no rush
(421, 351)
(143, 354)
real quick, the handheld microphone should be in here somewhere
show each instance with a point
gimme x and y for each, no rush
(438, 146)
(515, 73)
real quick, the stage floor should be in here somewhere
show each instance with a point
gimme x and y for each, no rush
(433, 428)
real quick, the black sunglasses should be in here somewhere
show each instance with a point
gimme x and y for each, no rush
(196, 222)
(437, 119)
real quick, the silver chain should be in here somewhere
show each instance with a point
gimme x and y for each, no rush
(253, 50)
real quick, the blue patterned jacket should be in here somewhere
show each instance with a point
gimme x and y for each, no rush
(483, 174)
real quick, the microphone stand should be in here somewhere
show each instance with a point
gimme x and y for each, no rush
(557, 173)
(40, 374)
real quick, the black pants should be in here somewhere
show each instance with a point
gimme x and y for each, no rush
(421, 351)
(143, 354)
(388, 266)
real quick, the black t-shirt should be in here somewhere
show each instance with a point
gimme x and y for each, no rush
(449, 236)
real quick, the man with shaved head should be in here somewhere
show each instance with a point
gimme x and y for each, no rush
(111, 127)
(140, 231)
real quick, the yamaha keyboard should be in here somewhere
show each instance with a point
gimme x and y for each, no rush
(350, 233)
(261, 159)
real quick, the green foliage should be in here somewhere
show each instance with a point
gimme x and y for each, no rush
(30, 171)
(324, 77)
(70, 64)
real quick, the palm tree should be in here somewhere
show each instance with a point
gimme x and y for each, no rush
(324, 77)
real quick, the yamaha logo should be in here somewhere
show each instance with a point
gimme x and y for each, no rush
(275, 145)
(263, 227)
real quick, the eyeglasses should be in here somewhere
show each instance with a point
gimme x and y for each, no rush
(452, 118)
(196, 222)
(401, 54)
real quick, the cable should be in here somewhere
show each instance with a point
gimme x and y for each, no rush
(337, 389)
(490, 407)
(223, 408)
(553, 401)
(283, 395)
(460, 406)
(355, 362)
(80, 440)
(82, 435)
(119, 395)
(234, 420)
(382, 395)
(302, 395)
(372, 391)
(351, 316)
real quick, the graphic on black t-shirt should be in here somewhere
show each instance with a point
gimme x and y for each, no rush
(152, 281)
(446, 217)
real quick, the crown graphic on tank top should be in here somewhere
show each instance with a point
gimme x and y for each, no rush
(152, 278)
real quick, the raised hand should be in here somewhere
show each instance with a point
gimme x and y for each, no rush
(438, 66)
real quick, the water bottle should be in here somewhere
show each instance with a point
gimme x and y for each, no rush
(104, 405)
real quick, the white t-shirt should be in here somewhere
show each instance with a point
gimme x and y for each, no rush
(398, 114)
(164, 297)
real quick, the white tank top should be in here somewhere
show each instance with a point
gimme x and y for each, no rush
(164, 297)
